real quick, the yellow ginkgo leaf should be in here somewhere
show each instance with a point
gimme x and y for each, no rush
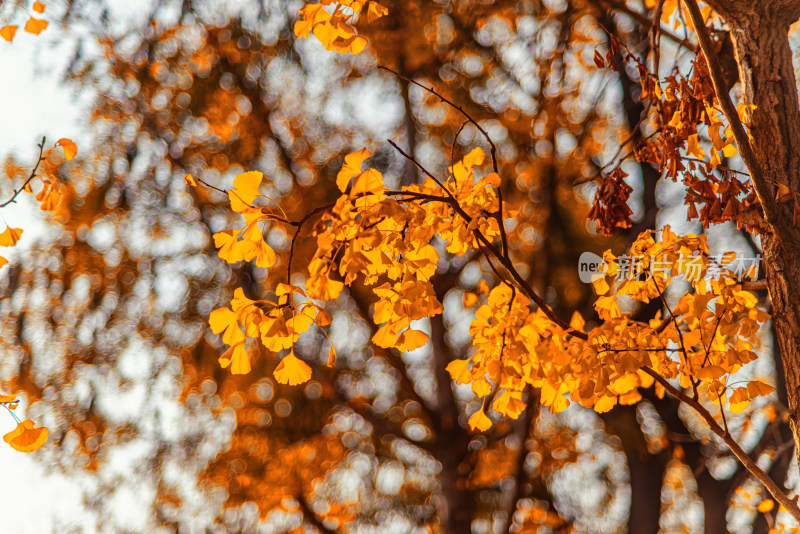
(225, 320)
(738, 400)
(510, 404)
(459, 371)
(245, 190)
(189, 179)
(351, 167)
(385, 337)
(323, 318)
(411, 340)
(712, 372)
(226, 242)
(604, 404)
(357, 45)
(35, 26)
(237, 358)
(70, 148)
(292, 370)
(766, 505)
(10, 237)
(480, 421)
(553, 398)
(369, 182)
(265, 255)
(26, 438)
(3, 261)
(8, 31)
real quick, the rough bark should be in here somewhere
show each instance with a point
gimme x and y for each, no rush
(760, 36)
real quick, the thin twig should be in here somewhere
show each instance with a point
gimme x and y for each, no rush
(454, 106)
(622, 7)
(423, 169)
(13, 198)
(499, 214)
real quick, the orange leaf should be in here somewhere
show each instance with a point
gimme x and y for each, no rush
(237, 358)
(226, 242)
(70, 148)
(10, 237)
(26, 438)
(766, 505)
(7, 32)
(375, 10)
(459, 371)
(292, 370)
(245, 190)
(38, 7)
(351, 167)
(411, 340)
(3, 261)
(757, 388)
(331, 356)
(35, 26)
(323, 318)
(190, 180)
(470, 299)
(480, 421)
(225, 320)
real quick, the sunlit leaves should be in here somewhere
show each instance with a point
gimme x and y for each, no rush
(335, 28)
(237, 358)
(245, 190)
(352, 167)
(247, 243)
(480, 421)
(383, 239)
(69, 146)
(10, 236)
(292, 370)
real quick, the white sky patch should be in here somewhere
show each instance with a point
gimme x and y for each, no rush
(36, 103)
(35, 501)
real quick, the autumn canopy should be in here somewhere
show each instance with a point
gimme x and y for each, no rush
(428, 266)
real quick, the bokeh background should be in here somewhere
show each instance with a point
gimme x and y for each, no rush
(104, 305)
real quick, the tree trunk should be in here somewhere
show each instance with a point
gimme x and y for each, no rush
(760, 36)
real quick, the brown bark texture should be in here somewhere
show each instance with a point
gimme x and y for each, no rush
(759, 31)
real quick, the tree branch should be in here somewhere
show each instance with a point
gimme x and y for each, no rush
(741, 455)
(622, 7)
(13, 198)
(760, 182)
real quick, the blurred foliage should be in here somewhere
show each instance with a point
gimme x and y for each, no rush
(104, 322)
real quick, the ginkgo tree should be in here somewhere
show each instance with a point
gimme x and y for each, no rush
(390, 240)
(526, 349)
